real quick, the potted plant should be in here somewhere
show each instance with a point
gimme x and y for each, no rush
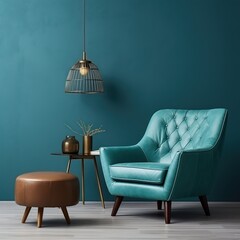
(86, 131)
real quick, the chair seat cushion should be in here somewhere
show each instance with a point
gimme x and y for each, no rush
(142, 172)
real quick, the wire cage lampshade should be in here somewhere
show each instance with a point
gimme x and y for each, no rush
(84, 76)
(91, 82)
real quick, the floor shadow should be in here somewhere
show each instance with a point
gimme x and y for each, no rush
(180, 214)
(189, 214)
(76, 222)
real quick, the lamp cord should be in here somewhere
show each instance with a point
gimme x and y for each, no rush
(84, 31)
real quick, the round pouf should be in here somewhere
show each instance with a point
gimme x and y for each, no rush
(46, 189)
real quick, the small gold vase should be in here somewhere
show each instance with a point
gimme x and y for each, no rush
(70, 145)
(87, 145)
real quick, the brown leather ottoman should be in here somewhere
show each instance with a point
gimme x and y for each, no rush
(46, 189)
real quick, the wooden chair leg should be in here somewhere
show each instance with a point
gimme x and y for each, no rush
(167, 211)
(39, 217)
(204, 202)
(116, 205)
(65, 213)
(25, 215)
(159, 205)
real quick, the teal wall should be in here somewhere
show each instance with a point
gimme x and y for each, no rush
(152, 55)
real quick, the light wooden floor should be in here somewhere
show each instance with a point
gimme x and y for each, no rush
(134, 221)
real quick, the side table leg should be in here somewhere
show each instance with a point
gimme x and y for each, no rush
(98, 181)
(83, 191)
(68, 165)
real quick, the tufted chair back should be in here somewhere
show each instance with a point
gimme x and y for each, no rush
(170, 131)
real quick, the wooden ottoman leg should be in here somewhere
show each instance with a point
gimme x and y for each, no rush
(25, 215)
(39, 217)
(65, 213)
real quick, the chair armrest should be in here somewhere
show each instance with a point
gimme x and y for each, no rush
(191, 173)
(114, 155)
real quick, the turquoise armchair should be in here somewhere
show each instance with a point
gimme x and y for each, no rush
(176, 158)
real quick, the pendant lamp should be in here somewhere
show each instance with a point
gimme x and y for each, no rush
(84, 76)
